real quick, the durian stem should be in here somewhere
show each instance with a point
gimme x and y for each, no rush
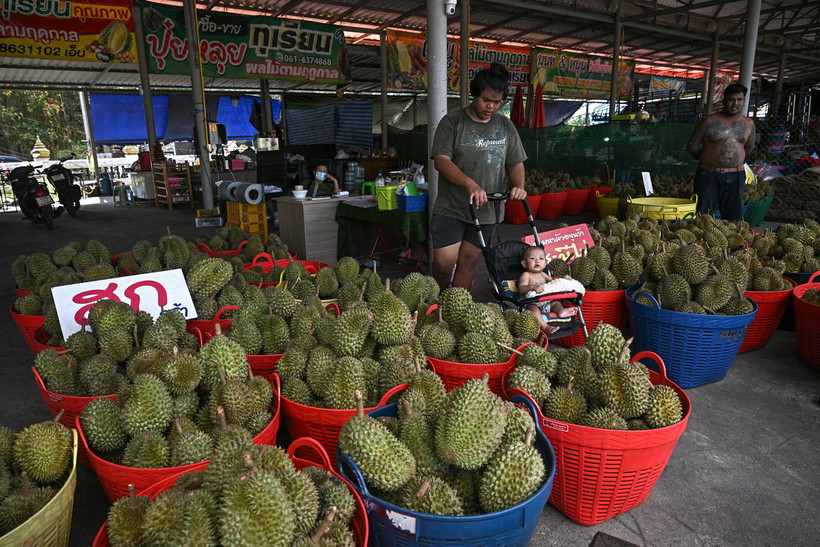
(624, 350)
(217, 329)
(359, 404)
(178, 425)
(221, 373)
(249, 462)
(132, 496)
(223, 424)
(324, 526)
(387, 285)
(416, 361)
(510, 349)
(485, 378)
(425, 486)
(528, 437)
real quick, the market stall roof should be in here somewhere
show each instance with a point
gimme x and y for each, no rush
(674, 37)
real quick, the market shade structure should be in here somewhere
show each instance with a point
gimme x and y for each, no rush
(517, 113)
(539, 117)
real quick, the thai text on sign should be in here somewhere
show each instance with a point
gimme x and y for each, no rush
(153, 293)
(565, 243)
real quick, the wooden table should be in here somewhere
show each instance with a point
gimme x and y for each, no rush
(309, 227)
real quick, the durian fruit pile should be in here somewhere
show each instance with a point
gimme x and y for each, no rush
(536, 182)
(34, 465)
(229, 239)
(248, 495)
(73, 263)
(465, 452)
(757, 192)
(673, 187)
(465, 331)
(595, 385)
(812, 296)
(170, 253)
(593, 269)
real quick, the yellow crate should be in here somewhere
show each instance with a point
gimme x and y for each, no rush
(243, 213)
(386, 197)
(663, 208)
(260, 228)
(607, 205)
(207, 213)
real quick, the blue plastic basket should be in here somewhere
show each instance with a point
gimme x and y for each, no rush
(697, 349)
(411, 204)
(395, 526)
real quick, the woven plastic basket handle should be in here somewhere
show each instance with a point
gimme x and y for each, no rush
(815, 274)
(523, 399)
(314, 447)
(242, 245)
(261, 258)
(393, 391)
(654, 357)
(344, 464)
(651, 298)
(218, 315)
(201, 247)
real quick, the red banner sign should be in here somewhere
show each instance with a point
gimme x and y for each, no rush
(565, 242)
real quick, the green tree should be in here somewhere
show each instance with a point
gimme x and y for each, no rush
(53, 115)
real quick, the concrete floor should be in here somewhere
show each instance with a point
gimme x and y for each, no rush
(745, 472)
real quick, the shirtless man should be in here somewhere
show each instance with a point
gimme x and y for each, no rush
(720, 143)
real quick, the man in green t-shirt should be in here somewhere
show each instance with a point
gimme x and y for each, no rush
(476, 151)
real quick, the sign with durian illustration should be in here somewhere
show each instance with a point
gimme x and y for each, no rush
(245, 46)
(576, 75)
(75, 30)
(407, 60)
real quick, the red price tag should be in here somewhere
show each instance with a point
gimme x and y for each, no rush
(564, 242)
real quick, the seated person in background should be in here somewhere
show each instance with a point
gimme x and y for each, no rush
(327, 183)
(532, 282)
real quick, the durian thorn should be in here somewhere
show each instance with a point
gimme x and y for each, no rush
(425, 486)
(59, 415)
(248, 459)
(220, 414)
(510, 349)
(624, 349)
(132, 496)
(221, 373)
(359, 404)
(324, 526)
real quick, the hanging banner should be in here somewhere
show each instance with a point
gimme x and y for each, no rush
(660, 86)
(722, 81)
(243, 46)
(79, 30)
(577, 75)
(407, 60)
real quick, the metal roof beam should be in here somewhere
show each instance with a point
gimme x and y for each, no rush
(671, 11)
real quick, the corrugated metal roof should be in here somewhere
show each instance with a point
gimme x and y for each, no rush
(657, 32)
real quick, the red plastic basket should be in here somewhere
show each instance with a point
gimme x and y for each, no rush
(206, 327)
(598, 307)
(311, 452)
(116, 478)
(552, 205)
(71, 406)
(575, 202)
(312, 266)
(28, 325)
(454, 374)
(263, 365)
(514, 210)
(770, 308)
(263, 260)
(592, 197)
(807, 324)
(602, 473)
(40, 342)
(322, 424)
(20, 292)
(201, 247)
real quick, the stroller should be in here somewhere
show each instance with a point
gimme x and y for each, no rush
(503, 262)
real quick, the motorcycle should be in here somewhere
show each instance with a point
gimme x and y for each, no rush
(32, 196)
(62, 179)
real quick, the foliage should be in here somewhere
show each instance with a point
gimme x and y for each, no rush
(53, 115)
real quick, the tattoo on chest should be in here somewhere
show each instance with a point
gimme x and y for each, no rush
(739, 131)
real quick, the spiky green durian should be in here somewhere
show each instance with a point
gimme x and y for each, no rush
(514, 474)
(43, 450)
(664, 407)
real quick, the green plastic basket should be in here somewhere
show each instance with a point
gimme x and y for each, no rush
(756, 211)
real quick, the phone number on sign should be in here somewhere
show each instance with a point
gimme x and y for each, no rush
(52, 51)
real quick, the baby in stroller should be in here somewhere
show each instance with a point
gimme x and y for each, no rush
(534, 281)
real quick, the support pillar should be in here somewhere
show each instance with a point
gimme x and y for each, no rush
(747, 61)
(85, 109)
(145, 80)
(616, 61)
(710, 93)
(436, 83)
(464, 54)
(383, 63)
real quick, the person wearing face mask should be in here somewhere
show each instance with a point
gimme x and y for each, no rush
(476, 152)
(327, 183)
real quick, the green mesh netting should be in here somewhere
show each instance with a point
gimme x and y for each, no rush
(627, 149)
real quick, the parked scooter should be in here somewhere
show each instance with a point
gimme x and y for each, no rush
(62, 179)
(33, 196)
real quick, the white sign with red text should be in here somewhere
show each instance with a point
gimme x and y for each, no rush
(565, 243)
(151, 293)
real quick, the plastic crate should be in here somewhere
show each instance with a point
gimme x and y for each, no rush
(309, 454)
(242, 213)
(598, 307)
(697, 349)
(607, 205)
(662, 208)
(552, 205)
(807, 324)
(391, 525)
(756, 211)
(263, 365)
(514, 212)
(28, 325)
(51, 525)
(576, 199)
(386, 197)
(322, 424)
(602, 473)
(115, 478)
(770, 308)
(412, 204)
(71, 407)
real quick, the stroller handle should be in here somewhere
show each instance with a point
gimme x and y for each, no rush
(500, 196)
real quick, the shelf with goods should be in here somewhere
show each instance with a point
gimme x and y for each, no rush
(172, 184)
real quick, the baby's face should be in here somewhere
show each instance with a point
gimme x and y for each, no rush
(535, 261)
